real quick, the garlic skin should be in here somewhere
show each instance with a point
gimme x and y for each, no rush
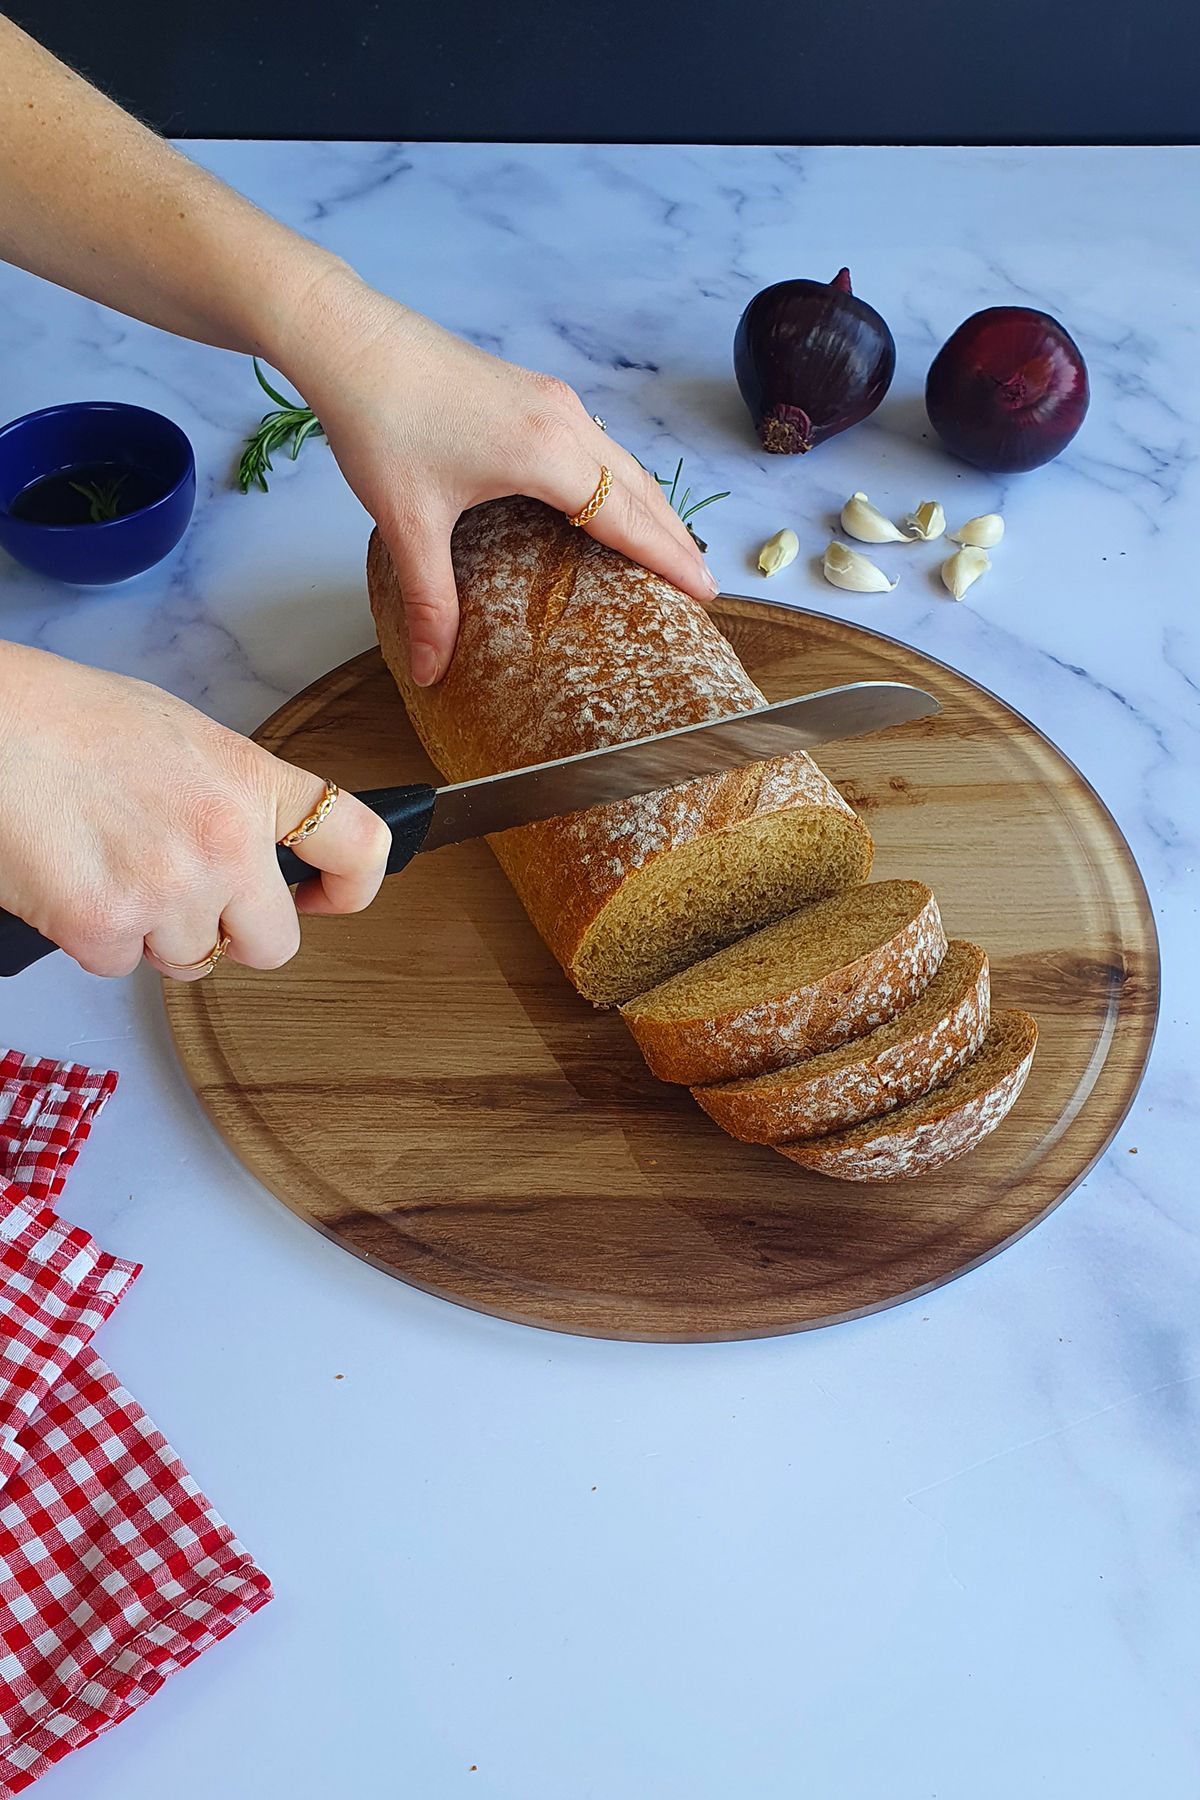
(928, 522)
(845, 568)
(865, 522)
(778, 552)
(963, 569)
(983, 533)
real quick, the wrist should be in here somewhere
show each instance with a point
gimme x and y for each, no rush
(331, 316)
(15, 660)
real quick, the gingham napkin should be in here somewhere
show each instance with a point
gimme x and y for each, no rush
(115, 1569)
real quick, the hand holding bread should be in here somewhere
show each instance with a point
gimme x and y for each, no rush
(425, 426)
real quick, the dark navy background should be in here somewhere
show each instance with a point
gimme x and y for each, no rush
(762, 71)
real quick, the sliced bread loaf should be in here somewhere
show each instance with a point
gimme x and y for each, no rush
(916, 1051)
(565, 646)
(939, 1127)
(812, 980)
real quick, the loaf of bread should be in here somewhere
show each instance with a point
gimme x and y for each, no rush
(917, 1050)
(826, 973)
(565, 646)
(939, 1128)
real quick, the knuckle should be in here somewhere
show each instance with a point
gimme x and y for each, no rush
(220, 833)
(546, 432)
(280, 950)
(164, 878)
(111, 967)
(426, 608)
(101, 924)
(648, 505)
(368, 837)
(554, 393)
(102, 943)
(649, 491)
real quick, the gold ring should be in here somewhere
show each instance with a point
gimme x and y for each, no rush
(206, 965)
(603, 489)
(317, 816)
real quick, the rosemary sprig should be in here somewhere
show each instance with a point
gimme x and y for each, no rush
(102, 497)
(289, 423)
(687, 513)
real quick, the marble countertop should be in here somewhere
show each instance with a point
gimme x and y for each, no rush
(950, 1550)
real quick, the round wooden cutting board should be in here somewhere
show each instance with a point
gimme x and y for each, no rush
(424, 1086)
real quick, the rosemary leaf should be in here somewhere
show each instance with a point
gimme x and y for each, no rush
(686, 513)
(700, 504)
(267, 389)
(288, 426)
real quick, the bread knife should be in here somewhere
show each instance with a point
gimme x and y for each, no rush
(422, 817)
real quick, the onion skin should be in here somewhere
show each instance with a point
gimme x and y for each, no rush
(811, 359)
(1009, 390)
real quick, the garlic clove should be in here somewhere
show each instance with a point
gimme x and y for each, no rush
(846, 568)
(983, 533)
(778, 552)
(865, 522)
(928, 522)
(963, 569)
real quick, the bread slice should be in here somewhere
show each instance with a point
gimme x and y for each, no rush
(566, 646)
(916, 1051)
(803, 985)
(939, 1127)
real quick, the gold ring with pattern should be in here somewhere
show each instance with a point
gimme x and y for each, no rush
(317, 816)
(205, 966)
(603, 489)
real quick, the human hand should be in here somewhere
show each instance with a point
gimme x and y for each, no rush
(424, 426)
(133, 826)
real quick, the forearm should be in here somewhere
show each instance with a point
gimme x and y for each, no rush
(92, 200)
(423, 425)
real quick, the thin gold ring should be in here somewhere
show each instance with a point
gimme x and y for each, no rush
(206, 965)
(603, 489)
(317, 816)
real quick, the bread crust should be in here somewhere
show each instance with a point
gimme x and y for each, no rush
(825, 1012)
(809, 1098)
(565, 646)
(953, 1121)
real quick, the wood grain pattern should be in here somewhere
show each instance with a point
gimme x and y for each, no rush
(422, 1084)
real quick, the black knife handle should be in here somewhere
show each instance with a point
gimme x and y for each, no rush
(20, 944)
(407, 810)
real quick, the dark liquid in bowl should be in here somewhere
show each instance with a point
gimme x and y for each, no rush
(86, 494)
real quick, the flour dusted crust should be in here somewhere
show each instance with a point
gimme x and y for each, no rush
(565, 646)
(830, 1092)
(828, 1011)
(927, 1133)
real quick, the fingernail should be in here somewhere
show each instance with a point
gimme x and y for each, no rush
(424, 665)
(714, 586)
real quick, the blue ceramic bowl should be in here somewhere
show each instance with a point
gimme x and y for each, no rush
(85, 432)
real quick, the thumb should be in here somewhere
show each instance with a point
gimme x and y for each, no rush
(421, 557)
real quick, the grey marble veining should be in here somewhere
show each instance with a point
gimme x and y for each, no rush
(949, 1551)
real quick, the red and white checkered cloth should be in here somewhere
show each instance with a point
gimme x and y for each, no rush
(115, 1569)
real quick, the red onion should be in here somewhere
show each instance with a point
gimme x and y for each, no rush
(811, 359)
(1009, 390)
